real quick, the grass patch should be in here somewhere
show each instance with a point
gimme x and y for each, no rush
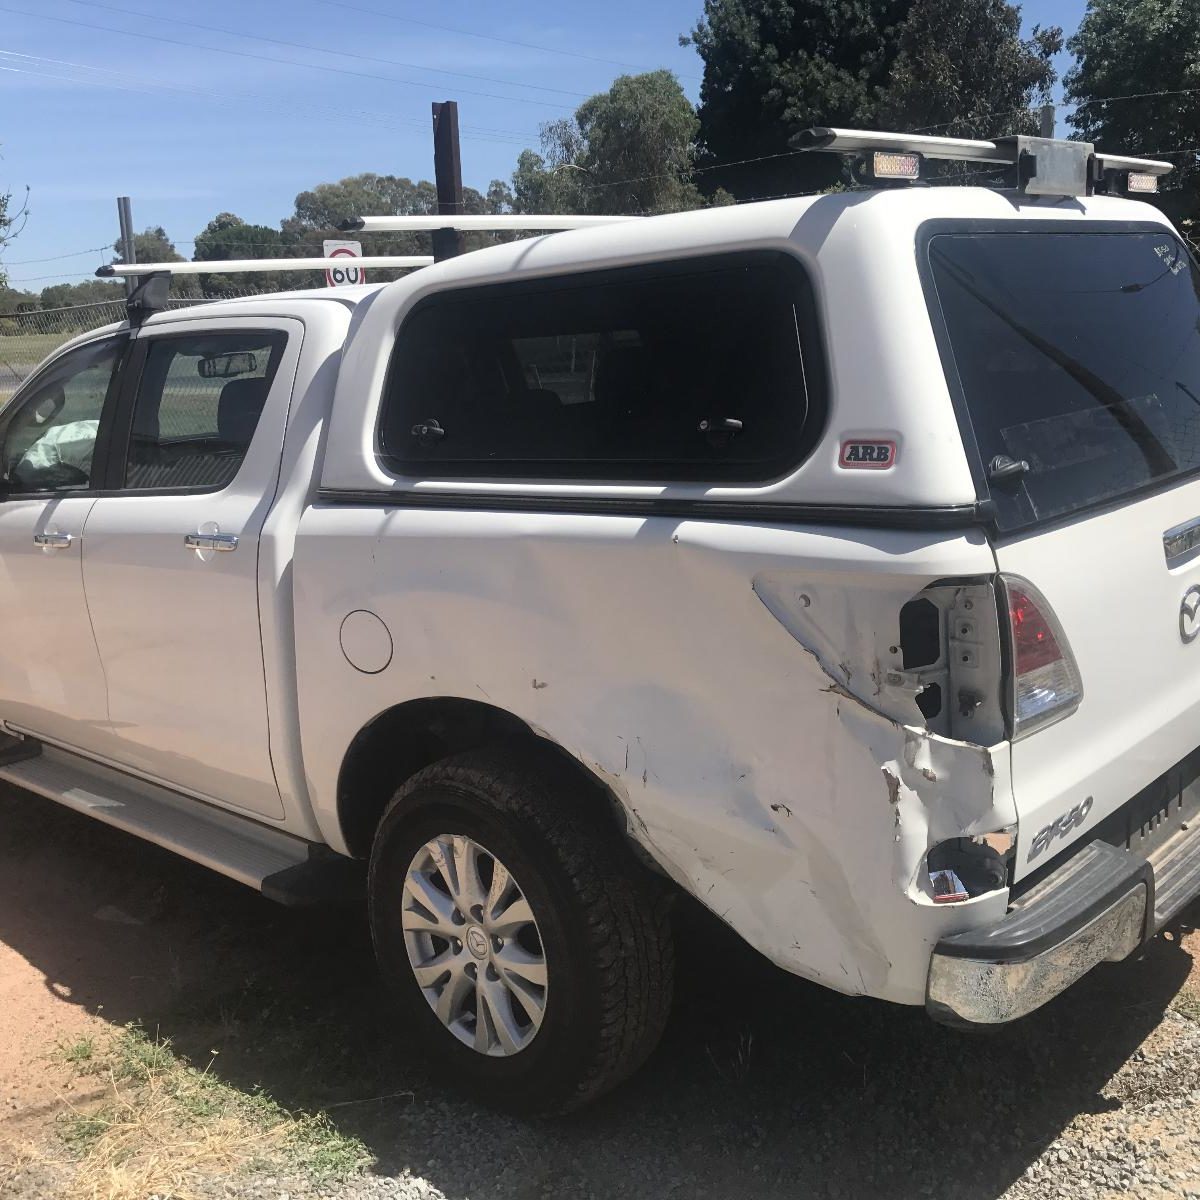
(165, 1127)
(77, 1053)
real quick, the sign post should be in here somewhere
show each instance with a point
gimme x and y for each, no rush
(343, 272)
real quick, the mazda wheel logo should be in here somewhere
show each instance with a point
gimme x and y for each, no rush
(1189, 615)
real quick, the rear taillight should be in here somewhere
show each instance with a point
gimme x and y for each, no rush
(1045, 684)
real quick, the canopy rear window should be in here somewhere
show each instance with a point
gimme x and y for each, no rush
(1078, 359)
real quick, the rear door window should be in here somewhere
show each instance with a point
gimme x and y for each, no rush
(1078, 359)
(705, 370)
(197, 407)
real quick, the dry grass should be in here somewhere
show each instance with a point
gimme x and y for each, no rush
(166, 1128)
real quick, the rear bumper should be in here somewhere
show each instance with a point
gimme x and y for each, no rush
(1099, 906)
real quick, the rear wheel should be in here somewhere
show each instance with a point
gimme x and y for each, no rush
(529, 951)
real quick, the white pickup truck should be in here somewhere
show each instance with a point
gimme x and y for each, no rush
(835, 560)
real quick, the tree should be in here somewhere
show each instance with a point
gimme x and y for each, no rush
(963, 68)
(627, 150)
(11, 223)
(1130, 48)
(227, 236)
(774, 67)
(90, 291)
(320, 212)
(153, 245)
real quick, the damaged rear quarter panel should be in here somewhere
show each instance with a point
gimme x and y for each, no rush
(773, 791)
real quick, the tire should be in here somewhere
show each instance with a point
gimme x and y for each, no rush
(600, 921)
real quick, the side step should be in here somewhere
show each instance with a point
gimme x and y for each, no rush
(284, 868)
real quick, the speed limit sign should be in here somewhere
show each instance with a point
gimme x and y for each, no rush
(343, 272)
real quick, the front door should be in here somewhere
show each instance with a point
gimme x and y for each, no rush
(171, 571)
(51, 680)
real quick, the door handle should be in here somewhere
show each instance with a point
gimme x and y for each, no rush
(53, 541)
(211, 541)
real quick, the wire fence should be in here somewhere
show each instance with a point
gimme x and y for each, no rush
(26, 338)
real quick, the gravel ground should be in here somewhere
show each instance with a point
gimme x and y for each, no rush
(764, 1086)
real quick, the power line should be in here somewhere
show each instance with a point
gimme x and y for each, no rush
(1135, 96)
(265, 58)
(230, 99)
(24, 262)
(64, 275)
(129, 12)
(489, 37)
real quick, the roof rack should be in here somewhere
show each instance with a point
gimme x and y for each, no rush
(1040, 166)
(235, 266)
(150, 295)
(475, 223)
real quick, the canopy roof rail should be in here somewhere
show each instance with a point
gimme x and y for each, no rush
(475, 223)
(235, 266)
(1041, 166)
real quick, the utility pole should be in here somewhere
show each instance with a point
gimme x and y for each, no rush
(128, 250)
(1046, 121)
(447, 174)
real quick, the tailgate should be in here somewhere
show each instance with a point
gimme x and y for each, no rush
(1074, 354)
(1126, 614)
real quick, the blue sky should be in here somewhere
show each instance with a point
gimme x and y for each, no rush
(190, 122)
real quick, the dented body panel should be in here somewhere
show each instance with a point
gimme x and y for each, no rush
(664, 655)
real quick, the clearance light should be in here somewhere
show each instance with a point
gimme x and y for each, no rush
(1138, 181)
(890, 165)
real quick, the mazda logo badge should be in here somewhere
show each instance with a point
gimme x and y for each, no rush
(1189, 614)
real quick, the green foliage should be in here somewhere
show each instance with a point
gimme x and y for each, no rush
(227, 236)
(774, 67)
(10, 225)
(90, 291)
(153, 245)
(627, 150)
(1132, 47)
(964, 68)
(77, 1052)
(321, 211)
(13, 300)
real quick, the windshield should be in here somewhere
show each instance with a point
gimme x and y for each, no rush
(1078, 356)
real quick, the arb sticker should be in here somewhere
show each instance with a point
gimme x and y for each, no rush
(869, 456)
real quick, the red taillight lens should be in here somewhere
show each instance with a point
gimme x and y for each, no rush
(1034, 643)
(1045, 680)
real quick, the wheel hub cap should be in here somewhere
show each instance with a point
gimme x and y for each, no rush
(477, 942)
(474, 946)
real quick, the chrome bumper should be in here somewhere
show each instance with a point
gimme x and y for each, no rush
(1092, 910)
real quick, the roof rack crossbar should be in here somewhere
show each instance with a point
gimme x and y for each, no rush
(475, 223)
(236, 266)
(850, 141)
(1122, 162)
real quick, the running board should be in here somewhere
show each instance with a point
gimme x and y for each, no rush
(284, 868)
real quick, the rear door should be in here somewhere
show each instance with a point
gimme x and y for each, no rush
(1076, 355)
(171, 571)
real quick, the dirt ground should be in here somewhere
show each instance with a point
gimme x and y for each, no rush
(764, 1086)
